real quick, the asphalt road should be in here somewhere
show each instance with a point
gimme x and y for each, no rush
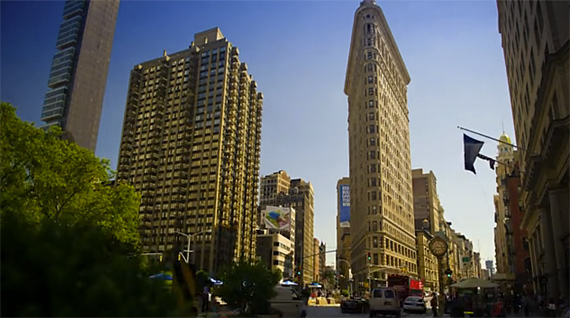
(334, 312)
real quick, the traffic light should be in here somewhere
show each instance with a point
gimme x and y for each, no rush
(448, 272)
(369, 257)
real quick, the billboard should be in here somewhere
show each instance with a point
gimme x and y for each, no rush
(344, 205)
(277, 218)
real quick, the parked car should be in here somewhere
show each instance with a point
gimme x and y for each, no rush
(354, 305)
(414, 304)
(384, 301)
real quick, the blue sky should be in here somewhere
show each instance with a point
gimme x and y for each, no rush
(297, 52)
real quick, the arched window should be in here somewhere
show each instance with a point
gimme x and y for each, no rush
(370, 67)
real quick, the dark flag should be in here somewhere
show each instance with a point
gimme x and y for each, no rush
(491, 161)
(471, 148)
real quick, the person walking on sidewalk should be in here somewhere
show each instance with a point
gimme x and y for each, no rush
(434, 305)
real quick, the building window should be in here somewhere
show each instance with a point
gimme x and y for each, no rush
(375, 258)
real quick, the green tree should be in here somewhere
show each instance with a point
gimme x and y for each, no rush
(69, 243)
(58, 270)
(329, 278)
(248, 286)
(44, 176)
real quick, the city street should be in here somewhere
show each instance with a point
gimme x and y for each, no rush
(335, 312)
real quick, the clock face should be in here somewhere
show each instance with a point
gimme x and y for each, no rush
(438, 246)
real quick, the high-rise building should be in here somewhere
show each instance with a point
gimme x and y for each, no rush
(489, 267)
(191, 146)
(535, 41)
(316, 263)
(272, 185)
(322, 260)
(343, 232)
(428, 213)
(78, 74)
(382, 220)
(504, 249)
(299, 195)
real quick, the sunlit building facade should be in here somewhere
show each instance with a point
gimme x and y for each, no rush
(191, 147)
(382, 221)
(280, 190)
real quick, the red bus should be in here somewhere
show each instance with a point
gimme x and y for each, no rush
(406, 286)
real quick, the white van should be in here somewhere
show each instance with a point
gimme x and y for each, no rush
(384, 301)
(286, 302)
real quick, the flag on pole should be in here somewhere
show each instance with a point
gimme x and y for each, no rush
(491, 161)
(471, 149)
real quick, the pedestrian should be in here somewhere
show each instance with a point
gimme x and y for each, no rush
(551, 308)
(434, 305)
(206, 296)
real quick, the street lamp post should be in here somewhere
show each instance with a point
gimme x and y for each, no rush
(189, 238)
(347, 263)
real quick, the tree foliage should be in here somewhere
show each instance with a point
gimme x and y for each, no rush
(43, 176)
(329, 278)
(248, 286)
(58, 270)
(69, 236)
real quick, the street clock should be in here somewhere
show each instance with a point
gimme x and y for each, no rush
(438, 246)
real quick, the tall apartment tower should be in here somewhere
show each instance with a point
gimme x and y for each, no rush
(382, 220)
(535, 37)
(343, 231)
(191, 146)
(300, 196)
(78, 74)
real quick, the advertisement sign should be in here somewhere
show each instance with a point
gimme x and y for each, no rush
(277, 218)
(344, 205)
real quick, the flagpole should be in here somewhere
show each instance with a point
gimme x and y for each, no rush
(481, 156)
(504, 142)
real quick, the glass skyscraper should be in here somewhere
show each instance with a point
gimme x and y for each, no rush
(79, 69)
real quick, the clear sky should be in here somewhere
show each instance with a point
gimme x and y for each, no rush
(297, 51)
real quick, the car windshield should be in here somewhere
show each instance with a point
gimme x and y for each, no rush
(413, 299)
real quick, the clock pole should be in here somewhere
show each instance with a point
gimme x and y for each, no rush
(438, 247)
(441, 301)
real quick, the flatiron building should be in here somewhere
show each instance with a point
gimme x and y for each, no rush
(381, 204)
